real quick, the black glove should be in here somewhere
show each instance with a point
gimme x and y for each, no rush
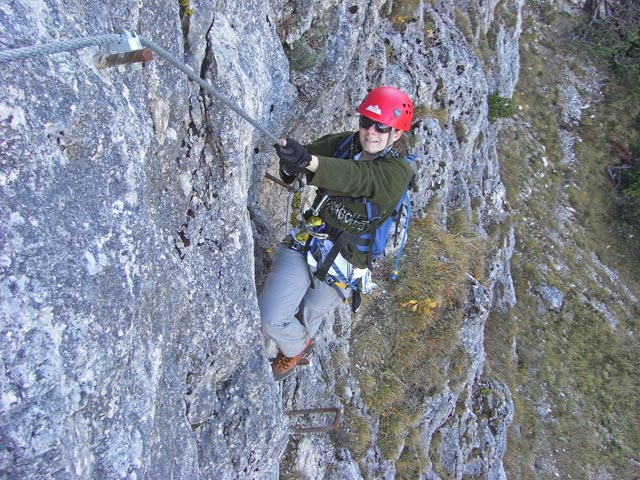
(294, 156)
(288, 173)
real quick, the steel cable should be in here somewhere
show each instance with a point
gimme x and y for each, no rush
(57, 47)
(188, 71)
(77, 43)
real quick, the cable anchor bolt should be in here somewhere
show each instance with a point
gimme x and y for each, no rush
(129, 54)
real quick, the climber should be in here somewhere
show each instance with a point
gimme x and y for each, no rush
(325, 261)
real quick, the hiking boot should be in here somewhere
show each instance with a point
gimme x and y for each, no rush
(284, 366)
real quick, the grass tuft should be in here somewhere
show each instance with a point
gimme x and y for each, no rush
(407, 348)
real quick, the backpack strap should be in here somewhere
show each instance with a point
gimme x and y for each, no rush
(344, 149)
(340, 239)
(373, 212)
(407, 205)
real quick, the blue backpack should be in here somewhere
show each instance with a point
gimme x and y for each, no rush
(378, 232)
(391, 224)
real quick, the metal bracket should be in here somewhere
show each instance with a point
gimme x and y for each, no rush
(290, 188)
(128, 54)
(314, 429)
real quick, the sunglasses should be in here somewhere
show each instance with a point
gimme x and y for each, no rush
(380, 127)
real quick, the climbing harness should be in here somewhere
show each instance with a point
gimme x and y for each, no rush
(126, 50)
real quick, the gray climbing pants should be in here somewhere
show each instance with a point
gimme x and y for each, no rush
(291, 310)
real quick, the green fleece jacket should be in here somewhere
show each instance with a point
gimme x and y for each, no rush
(382, 180)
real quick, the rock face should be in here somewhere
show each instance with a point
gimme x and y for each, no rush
(132, 204)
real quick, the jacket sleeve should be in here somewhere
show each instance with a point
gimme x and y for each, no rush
(381, 180)
(327, 145)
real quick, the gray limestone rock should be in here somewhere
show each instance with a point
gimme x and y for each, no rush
(551, 297)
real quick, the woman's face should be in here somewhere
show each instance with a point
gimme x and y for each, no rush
(373, 140)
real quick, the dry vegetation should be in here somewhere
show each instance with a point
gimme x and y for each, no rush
(405, 346)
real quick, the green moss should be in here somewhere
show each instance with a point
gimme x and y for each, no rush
(354, 434)
(185, 8)
(403, 13)
(412, 461)
(309, 51)
(423, 111)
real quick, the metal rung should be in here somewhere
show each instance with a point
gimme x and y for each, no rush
(291, 188)
(309, 411)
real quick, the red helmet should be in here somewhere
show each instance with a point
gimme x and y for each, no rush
(389, 106)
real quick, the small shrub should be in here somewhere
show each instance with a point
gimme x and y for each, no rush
(499, 107)
(630, 188)
(614, 36)
(628, 193)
